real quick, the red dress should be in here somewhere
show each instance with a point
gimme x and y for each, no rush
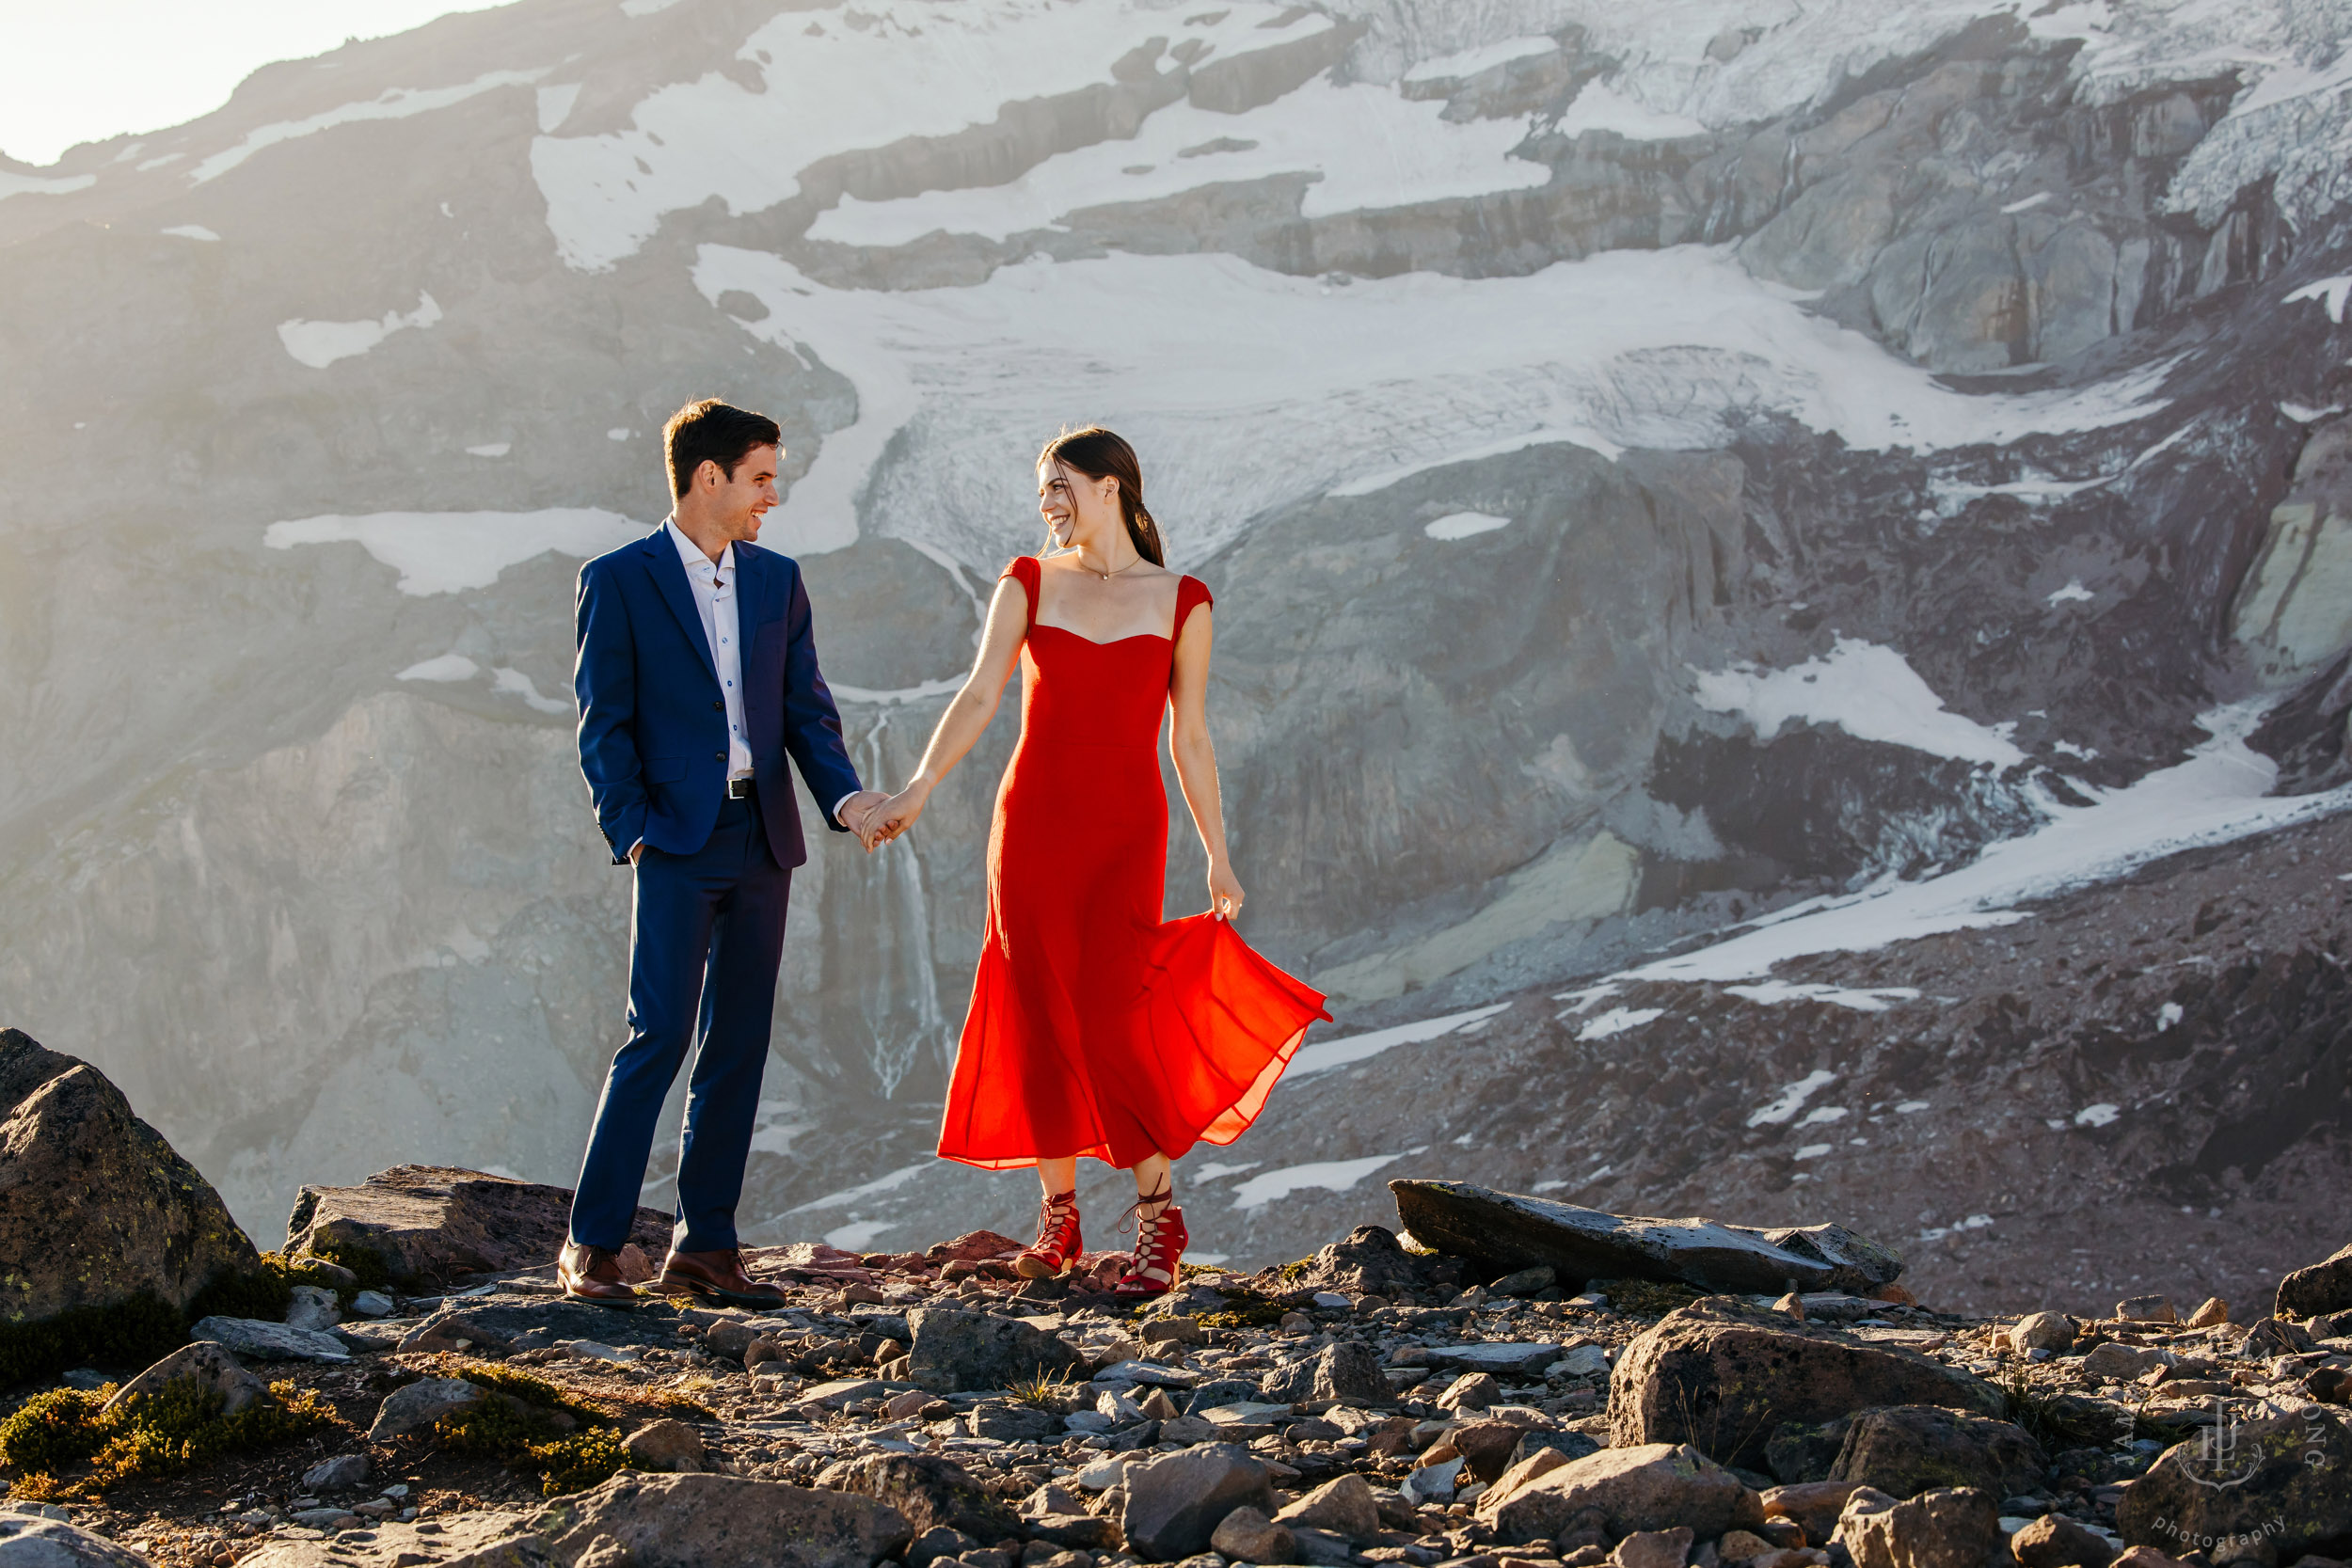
(1096, 1027)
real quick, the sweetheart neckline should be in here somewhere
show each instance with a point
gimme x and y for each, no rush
(1156, 637)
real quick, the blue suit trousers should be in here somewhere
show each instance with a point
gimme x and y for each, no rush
(706, 938)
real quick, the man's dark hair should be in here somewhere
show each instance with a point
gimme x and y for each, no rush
(708, 431)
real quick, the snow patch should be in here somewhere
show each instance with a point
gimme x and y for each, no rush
(1974, 1222)
(38, 185)
(1331, 1174)
(1772, 993)
(1820, 1114)
(2037, 200)
(2303, 413)
(947, 685)
(393, 103)
(1325, 1054)
(1812, 1151)
(859, 1235)
(1792, 1098)
(2097, 1115)
(1911, 1108)
(1462, 525)
(319, 344)
(448, 666)
(513, 682)
(2331, 291)
(444, 552)
(1864, 688)
(1616, 1020)
(555, 106)
(2072, 593)
(1601, 107)
(875, 1188)
(2168, 1015)
(490, 449)
(1210, 1172)
(190, 231)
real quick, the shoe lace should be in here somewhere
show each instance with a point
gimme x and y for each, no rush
(1054, 1215)
(1146, 1226)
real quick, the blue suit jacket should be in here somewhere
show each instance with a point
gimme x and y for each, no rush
(653, 726)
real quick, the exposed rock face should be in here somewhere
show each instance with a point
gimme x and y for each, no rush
(436, 1223)
(1720, 1382)
(95, 1207)
(720, 1522)
(2324, 1287)
(2285, 1478)
(1512, 1231)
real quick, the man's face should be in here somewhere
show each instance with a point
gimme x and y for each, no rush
(739, 503)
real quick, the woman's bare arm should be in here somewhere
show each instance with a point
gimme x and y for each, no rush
(1194, 756)
(959, 728)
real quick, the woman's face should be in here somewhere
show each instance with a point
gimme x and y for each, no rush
(1070, 504)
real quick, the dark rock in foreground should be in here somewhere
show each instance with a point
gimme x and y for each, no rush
(955, 1350)
(932, 1492)
(2325, 1286)
(95, 1207)
(720, 1522)
(1512, 1231)
(433, 1224)
(1724, 1383)
(2285, 1480)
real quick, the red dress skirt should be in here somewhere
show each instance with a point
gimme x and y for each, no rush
(1097, 1028)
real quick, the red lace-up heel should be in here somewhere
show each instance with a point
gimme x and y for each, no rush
(1159, 1247)
(1059, 1244)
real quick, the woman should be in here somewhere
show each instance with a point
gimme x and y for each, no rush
(1096, 1028)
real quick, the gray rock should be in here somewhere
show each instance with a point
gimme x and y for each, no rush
(371, 1338)
(1471, 1391)
(1583, 1361)
(2053, 1541)
(418, 1405)
(937, 1542)
(1959, 1527)
(720, 1522)
(1345, 1507)
(2148, 1309)
(1246, 1535)
(339, 1474)
(932, 1493)
(1653, 1548)
(1503, 1359)
(36, 1541)
(1175, 1502)
(314, 1309)
(436, 1223)
(95, 1207)
(2324, 1287)
(487, 1540)
(2050, 1330)
(268, 1341)
(1525, 1282)
(323, 1518)
(666, 1445)
(1012, 1423)
(955, 1350)
(2284, 1477)
(204, 1362)
(1513, 1230)
(1346, 1371)
(373, 1304)
(1219, 1391)
(1912, 1448)
(1078, 1531)
(2273, 1337)
(453, 1331)
(2118, 1362)
(1571, 1444)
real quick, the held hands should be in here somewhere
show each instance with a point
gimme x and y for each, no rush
(857, 813)
(1225, 893)
(898, 813)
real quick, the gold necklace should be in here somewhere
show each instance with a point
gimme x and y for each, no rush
(1107, 576)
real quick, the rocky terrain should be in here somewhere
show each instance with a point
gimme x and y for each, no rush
(1513, 1382)
(1657, 466)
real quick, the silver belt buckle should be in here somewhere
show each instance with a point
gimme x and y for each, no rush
(739, 789)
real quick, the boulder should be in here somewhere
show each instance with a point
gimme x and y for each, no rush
(205, 1363)
(313, 1308)
(1007, 1422)
(1076, 1532)
(1488, 1446)
(1913, 1449)
(935, 1544)
(1814, 1505)
(95, 1207)
(1646, 1487)
(1348, 1371)
(1368, 1262)
(1471, 1391)
(1503, 1357)
(2324, 1287)
(339, 1474)
(930, 1492)
(33, 1540)
(1175, 1502)
(1248, 1536)
(434, 1224)
(2050, 1330)
(418, 1405)
(487, 1540)
(2147, 1309)
(2286, 1478)
(720, 1522)
(1345, 1507)
(1512, 1231)
(2053, 1541)
(262, 1340)
(1954, 1528)
(1722, 1382)
(956, 1350)
(2117, 1362)
(1567, 1445)
(666, 1445)
(1653, 1548)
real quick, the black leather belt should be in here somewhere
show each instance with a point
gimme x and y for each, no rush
(740, 789)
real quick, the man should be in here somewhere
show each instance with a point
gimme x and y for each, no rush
(697, 678)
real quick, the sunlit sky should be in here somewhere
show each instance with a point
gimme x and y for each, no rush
(77, 71)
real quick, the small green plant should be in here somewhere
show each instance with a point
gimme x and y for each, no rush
(1244, 1309)
(1043, 1391)
(524, 1424)
(181, 1427)
(578, 1461)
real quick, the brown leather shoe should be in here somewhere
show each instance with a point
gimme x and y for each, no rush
(715, 1275)
(591, 1274)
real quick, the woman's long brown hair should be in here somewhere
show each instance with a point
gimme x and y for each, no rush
(1096, 453)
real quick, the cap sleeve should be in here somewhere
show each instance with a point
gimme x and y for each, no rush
(1024, 571)
(1191, 592)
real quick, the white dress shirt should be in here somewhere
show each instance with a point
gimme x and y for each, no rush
(714, 586)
